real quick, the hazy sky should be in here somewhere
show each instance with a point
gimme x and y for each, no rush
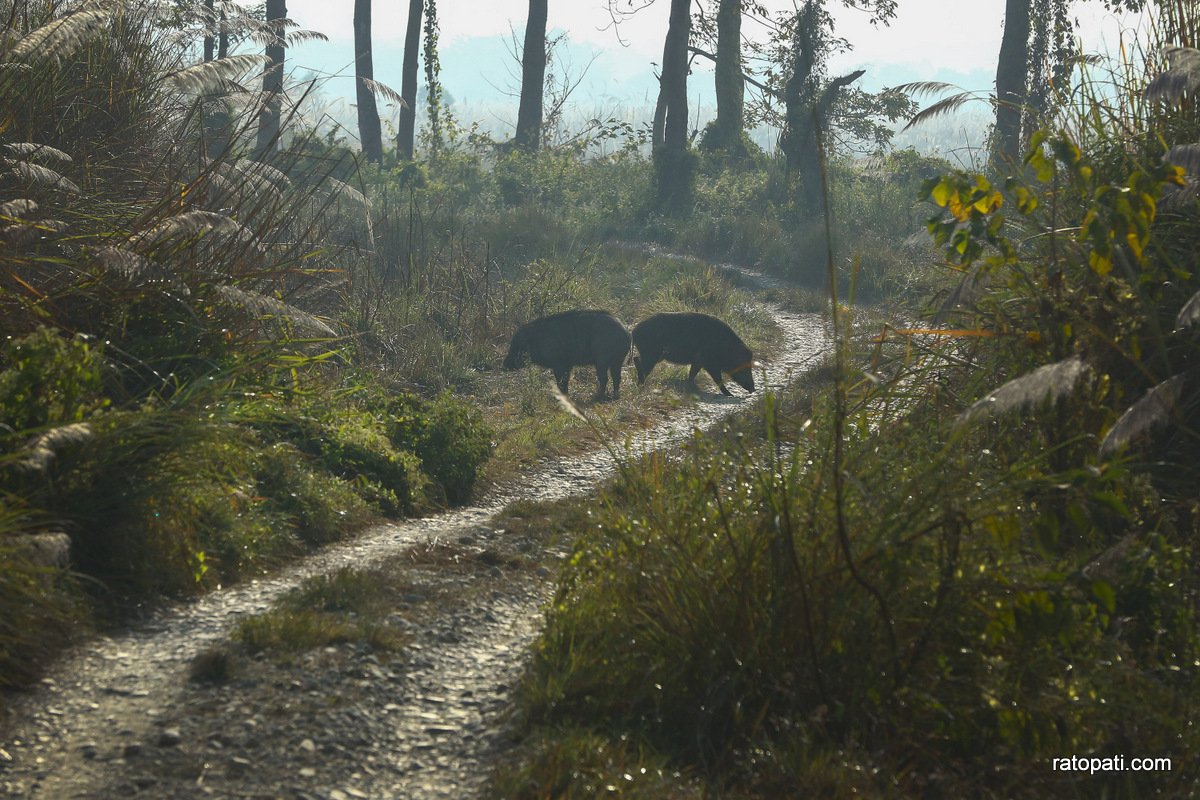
(956, 41)
(958, 34)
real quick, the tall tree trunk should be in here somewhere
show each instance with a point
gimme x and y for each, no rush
(1012, 70)
(672, 161)
(533, 77)
(210, 19)
(368, 113)
(673, 84)
(222, 37)
(407, 130)
(269, 116)
(808, 108)
(726, 131)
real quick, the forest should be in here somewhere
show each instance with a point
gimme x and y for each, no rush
(936, 538)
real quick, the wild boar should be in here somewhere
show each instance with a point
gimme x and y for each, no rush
(574, 339)
(699, 340)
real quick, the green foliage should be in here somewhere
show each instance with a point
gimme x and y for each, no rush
(716, 611)
(885, 596)
(46, 378)
(449, 436)
(574, 763)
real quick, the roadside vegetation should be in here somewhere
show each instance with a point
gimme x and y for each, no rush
(964, 547)
(971, 553)
(215, 359)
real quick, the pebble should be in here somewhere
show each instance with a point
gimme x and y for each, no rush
(169, 737)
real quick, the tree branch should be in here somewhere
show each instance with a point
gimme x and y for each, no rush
(745, 77)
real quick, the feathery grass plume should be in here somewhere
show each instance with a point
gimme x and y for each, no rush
(137, 267)
(385, 91)
(37, 175)
(1155, 408)
(214, 76)
(31, 149)
(1177, 196)
(342, 189)
(15, 209)
(1048, 382)
(59, 38)
(946, 105)
(567, 404)
(1181, 77)
(1189, 314)
(263, 306)
(259, 178)
(301, 36)
(192, 225)
(42, 449)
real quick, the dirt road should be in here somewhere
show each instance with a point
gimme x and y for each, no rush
(119, 717)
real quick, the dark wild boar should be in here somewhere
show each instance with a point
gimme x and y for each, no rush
(704, 342)
(574, 339)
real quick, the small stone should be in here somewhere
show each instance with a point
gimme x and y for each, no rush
(308, 772)
(131, 750)
(169, 737)
(308, 746)
(88, 750)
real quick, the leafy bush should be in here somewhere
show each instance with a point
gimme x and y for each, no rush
(448, 435)
(46, 378)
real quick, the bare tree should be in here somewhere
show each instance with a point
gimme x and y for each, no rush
(406, 131)
(364, 75)
(533, 77)
(269, 116)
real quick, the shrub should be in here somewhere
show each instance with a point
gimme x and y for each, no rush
(448, 435)
(47, 378)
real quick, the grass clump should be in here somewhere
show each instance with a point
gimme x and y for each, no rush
(347, 606)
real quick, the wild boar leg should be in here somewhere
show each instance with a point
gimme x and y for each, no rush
(562, 377)
(716, 376)
(601, 381)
